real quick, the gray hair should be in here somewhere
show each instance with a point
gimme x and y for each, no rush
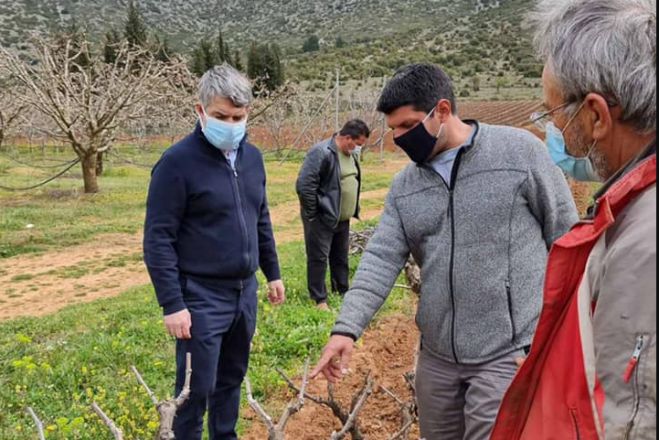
(225, 82)
(602, 46)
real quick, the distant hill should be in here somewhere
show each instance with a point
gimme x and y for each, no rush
(470, 38)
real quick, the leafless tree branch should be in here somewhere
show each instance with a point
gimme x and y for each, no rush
(116, 432)
(38, 423)
(277, 431)
(167, 408)
(364, 393)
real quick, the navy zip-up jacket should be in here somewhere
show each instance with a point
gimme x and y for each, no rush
(206, 221)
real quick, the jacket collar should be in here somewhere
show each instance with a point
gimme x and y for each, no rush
(332, 143)
(474, 136)
(467, 146)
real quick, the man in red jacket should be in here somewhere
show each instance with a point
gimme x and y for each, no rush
(591, 371)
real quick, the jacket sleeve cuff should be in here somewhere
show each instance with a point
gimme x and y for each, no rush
(272, 272)
(349, 335)
(173, 306)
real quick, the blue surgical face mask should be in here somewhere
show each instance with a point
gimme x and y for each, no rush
(357, 150)
(580, 168)
(223, 135)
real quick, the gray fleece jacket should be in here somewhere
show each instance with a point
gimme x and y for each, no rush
(481, 244)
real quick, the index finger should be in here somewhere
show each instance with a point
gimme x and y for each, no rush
(324, 360)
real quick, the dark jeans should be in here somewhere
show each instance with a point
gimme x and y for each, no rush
(325, 243)
(223, 323)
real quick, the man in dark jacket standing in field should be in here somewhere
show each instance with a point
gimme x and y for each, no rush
(328, 187)
(206, 233)
(478, 210)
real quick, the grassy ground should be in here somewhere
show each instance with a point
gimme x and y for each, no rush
(61, 363)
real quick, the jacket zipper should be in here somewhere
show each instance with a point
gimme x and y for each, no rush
(241, 215)
(450, 187)
(338, 179)
(454, 174)
(631, 369)
(510, 311)
(359, 186)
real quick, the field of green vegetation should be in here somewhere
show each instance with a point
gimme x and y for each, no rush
(61, 363)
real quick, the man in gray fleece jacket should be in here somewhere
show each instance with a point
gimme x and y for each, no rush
(478, 210)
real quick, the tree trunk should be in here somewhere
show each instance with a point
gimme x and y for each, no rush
(89, 173)
(99, 164)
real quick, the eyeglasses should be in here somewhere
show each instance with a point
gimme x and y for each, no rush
(541, 119)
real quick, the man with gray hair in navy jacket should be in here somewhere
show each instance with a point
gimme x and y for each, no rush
(206, 233)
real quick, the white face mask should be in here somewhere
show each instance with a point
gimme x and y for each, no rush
(357, 150)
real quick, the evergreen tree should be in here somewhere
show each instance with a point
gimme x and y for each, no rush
(221, 48)
(264, 66)
(339, 43)
(112, 40)
(223, 51)
(237, 63)
(161, 50)
(275, 66)
(135, 29)
(227, 55)
(253, 64)
(311, 44)
(203, 58)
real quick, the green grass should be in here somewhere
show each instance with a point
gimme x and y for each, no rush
(62, 363)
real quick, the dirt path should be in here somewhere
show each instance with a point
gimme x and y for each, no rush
(387, 352)
(37, 285)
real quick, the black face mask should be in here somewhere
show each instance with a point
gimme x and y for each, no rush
(417, 143)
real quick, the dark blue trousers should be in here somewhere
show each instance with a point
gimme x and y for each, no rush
(223, 323)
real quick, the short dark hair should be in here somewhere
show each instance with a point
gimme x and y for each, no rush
(355, 128)
(418, 85)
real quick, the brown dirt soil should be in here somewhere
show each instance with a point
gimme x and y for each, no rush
(36, 285)
(387, 351)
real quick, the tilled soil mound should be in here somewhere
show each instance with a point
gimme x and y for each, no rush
(387, 351)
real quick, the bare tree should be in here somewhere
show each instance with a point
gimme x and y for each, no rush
(358, 401)
(348, 417)
(276, 431)
(38, 423)
(272, 111)
(167, 408)
(10, 108)
(89, 100)
(114, 429)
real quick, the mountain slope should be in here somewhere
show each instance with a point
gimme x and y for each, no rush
(468, 37)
